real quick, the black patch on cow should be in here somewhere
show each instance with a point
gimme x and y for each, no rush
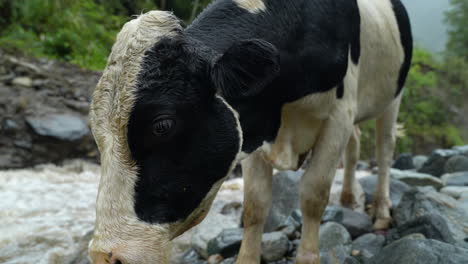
(313, 38)
(404, 27)
(176, 170)
(340, 91)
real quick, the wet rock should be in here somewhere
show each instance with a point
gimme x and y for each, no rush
(332, 235)
(227, 243)
(435, 164)
(418, 161)
(356, 223)
(285, 198)
(404, 162)
(367, 246)
(456, 179)
(454, 191)
(23, 81)
(456, 163)
(416, 179)
(209, 229)
(432, 226)
(420, 252)
(274, 246)
(397, 189)
(60, 126)
(418, 202)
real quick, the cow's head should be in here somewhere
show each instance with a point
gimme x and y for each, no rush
(166, 135)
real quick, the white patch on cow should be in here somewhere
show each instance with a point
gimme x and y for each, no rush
(253, 6)
(118, 229)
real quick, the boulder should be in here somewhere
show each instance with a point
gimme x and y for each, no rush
(397, 189)
(274, 246)
(418, 202)
(456, 163)
(332, 235)
(435, 164)
(462, 150)
(420, 251)
(432, 226)
(404, 162)
(416, 179)
(356, 223)
(190, 257)
(227, 243)
(456, 179)
(454, 191)
(367, 246)
(418, 161)
(337, 255)
(64, 127)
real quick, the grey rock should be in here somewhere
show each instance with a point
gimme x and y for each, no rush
(418, 161)
(362, 165)
(420, 252)
(446, 153)
(291, 225)
(435, 163)
(190, 257)
(332, 235)
(337, 255)
(455, 179)
(456, 163)
(367, 246)
(418, 202)
(356, 223)
(274, 246)
(23, 81)
(285, 198)
(432, 226)
(404, 162)
(416, 179)
(454, 191)
(397, 189)
(60, 126)
(227, 243)
(229, 261)
(462, 150)
(9, 125)
(209, 229)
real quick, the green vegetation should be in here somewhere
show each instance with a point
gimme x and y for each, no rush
(433, 111)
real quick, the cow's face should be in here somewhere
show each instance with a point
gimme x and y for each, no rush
(167, 138)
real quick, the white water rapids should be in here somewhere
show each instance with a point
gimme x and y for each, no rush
(46, 211)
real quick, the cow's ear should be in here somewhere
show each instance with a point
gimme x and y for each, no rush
(245, 68)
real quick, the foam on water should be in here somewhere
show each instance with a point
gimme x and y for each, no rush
(46, 211)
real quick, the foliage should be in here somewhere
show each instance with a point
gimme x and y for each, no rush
(457, 19)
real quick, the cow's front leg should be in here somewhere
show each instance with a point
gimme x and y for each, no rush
(316, 183)
(257, 201)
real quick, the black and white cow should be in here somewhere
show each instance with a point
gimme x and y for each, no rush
(262, 81)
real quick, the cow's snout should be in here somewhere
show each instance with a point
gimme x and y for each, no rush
(105, 258)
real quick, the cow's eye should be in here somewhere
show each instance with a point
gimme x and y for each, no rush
(162, 126)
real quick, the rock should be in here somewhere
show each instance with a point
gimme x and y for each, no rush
(456, 179)
(356, 223)
(337, 186)
(435, 163)
(209, 229)
(418, 161)
(215, 259)
(418, 202)
(285, 198)
(404, 162)
(362, 165)
(420, 252)
(432, 226)
(456, 163)
(23, 81)
(416, 179)
(60, 126)
(229, 261)
(274, 246)
(190, 257)
(332, 235)
(9, 125)
(454, 191)
(397, 189)
(462, 150)
(227, 243)
(367, 246)
(337, 255)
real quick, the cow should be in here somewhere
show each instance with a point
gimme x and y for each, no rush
(260, 82)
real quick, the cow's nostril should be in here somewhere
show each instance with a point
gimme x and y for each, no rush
(117, 261)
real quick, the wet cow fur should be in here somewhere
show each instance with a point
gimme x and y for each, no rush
(262, 81)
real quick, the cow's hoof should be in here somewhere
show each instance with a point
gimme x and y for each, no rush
(309, 258)
(382, 223)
